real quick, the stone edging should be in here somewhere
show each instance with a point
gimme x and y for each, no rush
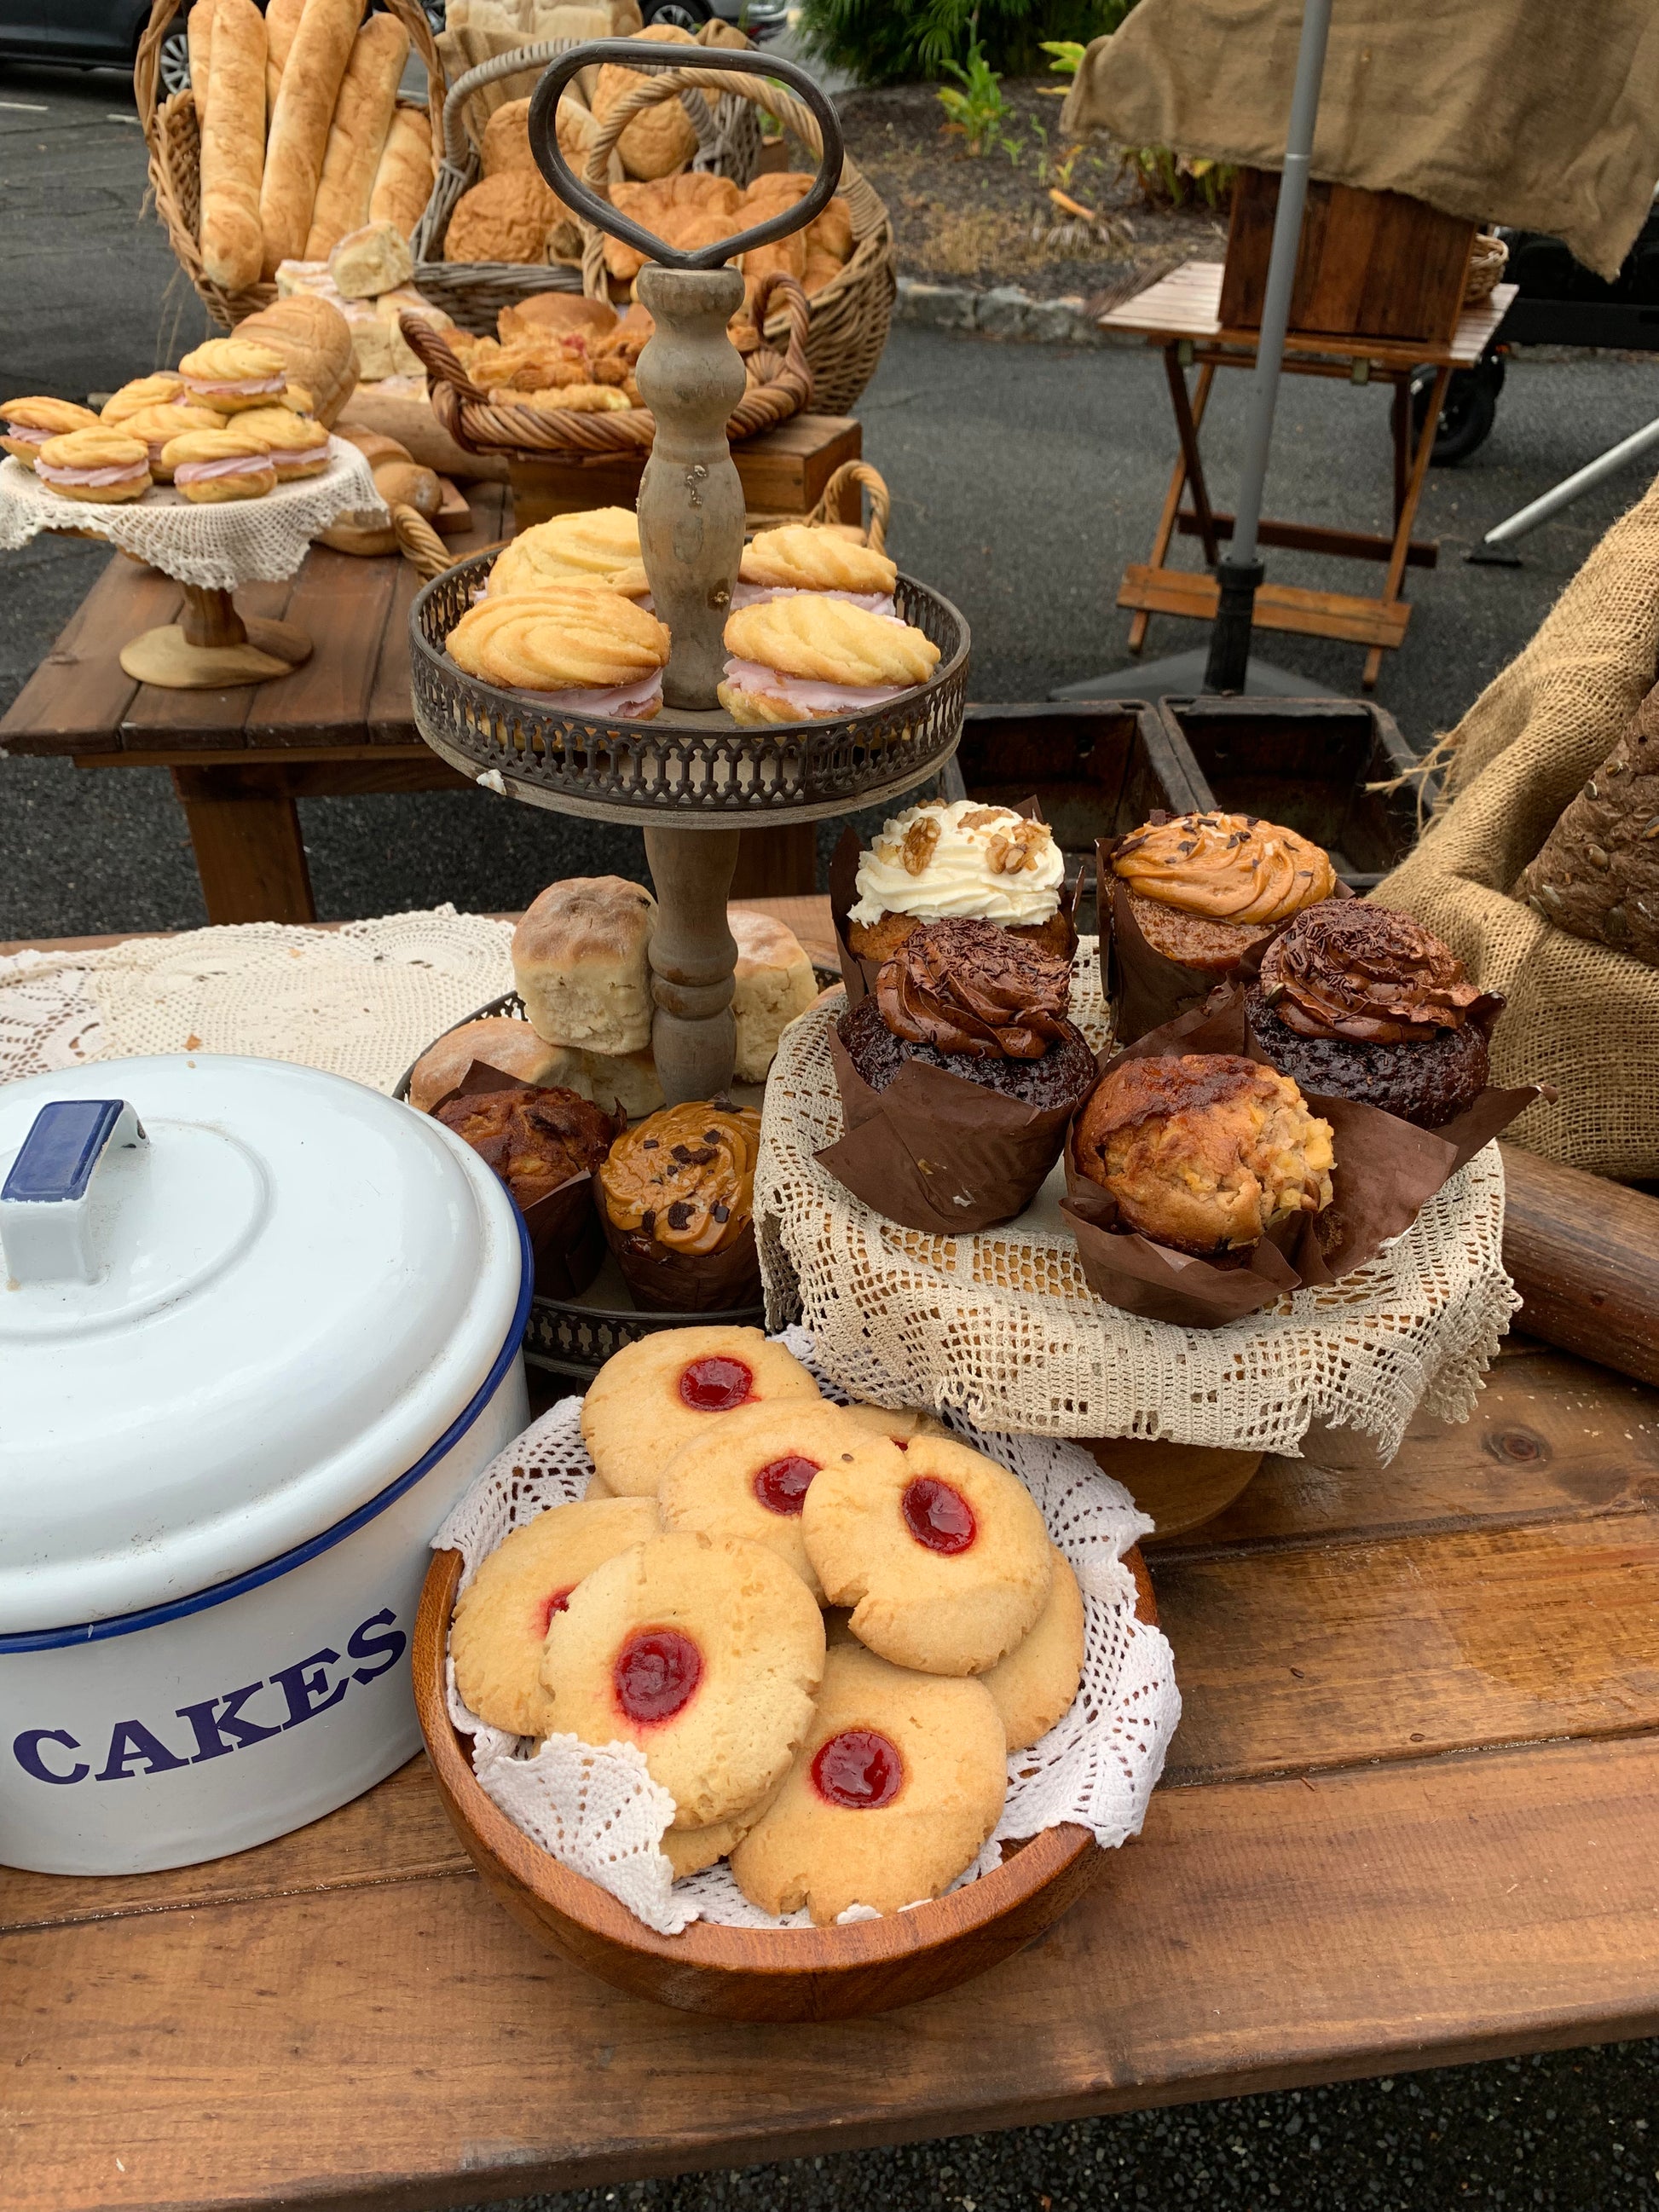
(1003, 311)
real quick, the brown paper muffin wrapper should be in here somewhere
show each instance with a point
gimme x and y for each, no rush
(1485, 1013)
(663, 1280)
(1386, 1172)
(938, 1151)
(859, 974)
(567, 1242)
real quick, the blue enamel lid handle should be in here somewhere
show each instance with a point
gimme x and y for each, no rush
(46, 1201)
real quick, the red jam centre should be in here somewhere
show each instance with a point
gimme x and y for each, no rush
(655, 1673)
(858, 1769)
(781, 1487)
(556, 1601)
(940, 1518)
(715, 1385)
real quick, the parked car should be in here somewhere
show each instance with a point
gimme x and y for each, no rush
(85, 34)
(761, 19)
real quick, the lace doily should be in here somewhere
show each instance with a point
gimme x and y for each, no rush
(1003, 1325)
(231, 542)
(361, 1000)
(598, 1811)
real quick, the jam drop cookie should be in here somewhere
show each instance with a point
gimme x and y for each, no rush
(501, 1617)
(652, 1398)
(898, 1783)
(705, 1652)
(1033, 1687)
(942, 1554)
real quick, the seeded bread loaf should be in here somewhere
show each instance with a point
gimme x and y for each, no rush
(1597, 875)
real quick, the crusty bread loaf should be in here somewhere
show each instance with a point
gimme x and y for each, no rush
(356, 137)
(199, 34)
(315, 344)
(233, 146)
(282, 22)
(506, 141)
(403, 183)
(661, 139)
(300, 124)
(507, 217)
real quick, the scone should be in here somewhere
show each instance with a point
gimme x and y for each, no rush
(603, 542)
(774, 983)
(165, 389)
(676, 1197)
(580, 649)
(1035, 1685)
(899, 1782)
(655, 1396)
(808, 658)
(501, 1043)
(1204, 888)
(500, 1618)
(776, 564)
(299, 445)
(98, 464)
(580, 960)
(1207, 1152)
(941, 1553)
(25, 424)
(232, 373)
(158, 425)
(950, 859)
(210, 465)
(706, 1653)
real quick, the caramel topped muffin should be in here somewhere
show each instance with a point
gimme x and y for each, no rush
(535, 1140)
(1204, 888)
(684, 1178)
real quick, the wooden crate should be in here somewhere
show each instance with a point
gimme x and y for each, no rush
(1307, 763)
(1375, 265)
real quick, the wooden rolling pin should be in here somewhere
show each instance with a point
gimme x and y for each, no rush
(1584, 1254)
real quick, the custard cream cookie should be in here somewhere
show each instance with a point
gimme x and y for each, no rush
(706, 1653)
(158, 426)
(299, 446)
(1034, 1686)
(941, 1553)
(652, 1399)
(165, 389)
(808, 658)
(210, 466)
(501, 1618)
(777, 563)
(233, 373)
(95, 465)
(25, 424)
(900, 1780)
(602, 544)
(579, 647)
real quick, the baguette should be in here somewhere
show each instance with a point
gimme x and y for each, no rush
(299, 128)
(356, 137)
(282, 22)
(233, 146)
(403, 183)
(199, 33)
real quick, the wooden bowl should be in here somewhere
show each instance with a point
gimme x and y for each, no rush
(744, 1973)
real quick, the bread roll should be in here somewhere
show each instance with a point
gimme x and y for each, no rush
(233, 146)
(356, 137)
(506, 143)
(661, 139)
(315, 344)
(772, 983)
(406, 483)
(299, 126)
(580, 959)
(198, 34)
(403, 183)
(506, 218)
(282, 22)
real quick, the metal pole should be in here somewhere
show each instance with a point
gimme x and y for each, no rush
(1239, 573)
(1498, 540)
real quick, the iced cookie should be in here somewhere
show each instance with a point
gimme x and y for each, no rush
(1033, 1687)
(942, 1554)
(501, 1620)
(651, 1399)
(706, 1653)
(898, 1783)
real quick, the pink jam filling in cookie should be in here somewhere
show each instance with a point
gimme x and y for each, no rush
(556, 1602)
(859, 1769)
(938, 1516)
(781, 1487)
(715, 1385)
(655, 1673)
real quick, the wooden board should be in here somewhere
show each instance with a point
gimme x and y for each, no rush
(1278, 606)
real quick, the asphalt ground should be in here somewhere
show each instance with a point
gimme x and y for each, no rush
(1024, 479)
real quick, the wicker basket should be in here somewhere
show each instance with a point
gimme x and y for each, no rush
(848, 320)
(175, 151)
(1488, 258)
(484, 426)
(881, 500)
(473, 293)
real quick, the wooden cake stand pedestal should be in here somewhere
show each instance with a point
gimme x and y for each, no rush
(212, 647)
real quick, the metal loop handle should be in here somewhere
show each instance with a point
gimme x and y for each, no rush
(648, 55)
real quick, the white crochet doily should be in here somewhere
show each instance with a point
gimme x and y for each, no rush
(1003, 1325)
(598, 1811)
(363, 1000)
(229, 541)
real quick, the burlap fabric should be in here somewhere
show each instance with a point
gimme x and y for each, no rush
(1580, 1015)
(1513, 112)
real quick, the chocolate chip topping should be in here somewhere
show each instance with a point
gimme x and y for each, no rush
(968, 986)
(1347, 968)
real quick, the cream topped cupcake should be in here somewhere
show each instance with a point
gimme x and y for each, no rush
(809, 657)
(25, 424)
(956, 859)
(95, 465)
(231, 373)
(801, 557)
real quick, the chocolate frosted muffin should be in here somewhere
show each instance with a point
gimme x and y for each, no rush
(1359, 1001)
(981, 1003)
(1204, 888)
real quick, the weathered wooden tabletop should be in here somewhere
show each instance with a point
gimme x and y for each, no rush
(1410, 1818)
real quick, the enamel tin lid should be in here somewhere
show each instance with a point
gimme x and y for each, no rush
(238, 1298)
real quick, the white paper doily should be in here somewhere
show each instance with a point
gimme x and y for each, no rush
(231, 542)
(1003, 1325)
(598, 1811)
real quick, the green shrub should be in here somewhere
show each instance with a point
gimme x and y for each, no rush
(887, 41)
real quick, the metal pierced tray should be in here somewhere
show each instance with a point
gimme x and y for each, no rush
(684, 767)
